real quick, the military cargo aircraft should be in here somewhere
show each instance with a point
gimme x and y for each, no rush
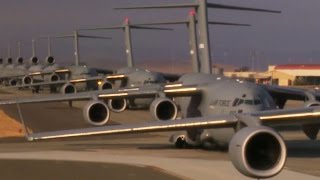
(69, 79)
(214, 109)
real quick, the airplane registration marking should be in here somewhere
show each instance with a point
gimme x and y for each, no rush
(180, 90)
(115, 76)
(78, 80)
(30, 138)
(289, 115)
(113, 95)
(173, 85)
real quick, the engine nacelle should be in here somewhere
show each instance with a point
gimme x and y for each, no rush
(164, 109)
(117, 105)
(258, 152)
(96, 113)
(27, 80)
(105, 85)
(311, 103)
(13, 82)
(68, 88)
(50, 60)
(20, 60)
(54, 77)
(34, 60)
(9, 60)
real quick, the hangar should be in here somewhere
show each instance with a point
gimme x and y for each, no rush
(284, 75)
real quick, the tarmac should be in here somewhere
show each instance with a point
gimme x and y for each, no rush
(138, 156)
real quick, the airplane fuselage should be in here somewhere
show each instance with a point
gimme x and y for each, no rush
(219, 96)
(136, 78)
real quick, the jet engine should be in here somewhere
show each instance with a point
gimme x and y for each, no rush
(9, 60)
(20, 60)
(68, 88)
(54, 77)
(105, 85)
(311, 103)
(13, 82)
(50, 60)
(117, 105)
(34, 60)
(96, 113)
(164, 109)
(258, 152)
(27, 80)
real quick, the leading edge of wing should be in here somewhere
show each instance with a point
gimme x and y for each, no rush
(142, 92)
(306, 115)
(155, 126)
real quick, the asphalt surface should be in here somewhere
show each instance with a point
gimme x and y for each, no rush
(150, 154)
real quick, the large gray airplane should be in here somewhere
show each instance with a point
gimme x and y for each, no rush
(13, 68)
(214, 108)
(131, 76)
(71, 79)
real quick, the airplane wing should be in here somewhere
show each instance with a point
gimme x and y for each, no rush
(288, 93)
(301, 116)
(154, 126)
(150, 91)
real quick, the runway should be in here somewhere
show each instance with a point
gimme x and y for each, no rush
(149, 155)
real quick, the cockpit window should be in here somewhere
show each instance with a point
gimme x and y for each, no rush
(240, 102)
(251, 102)
(248, 102)
(257, 102)
(235, 102)
(151, 82)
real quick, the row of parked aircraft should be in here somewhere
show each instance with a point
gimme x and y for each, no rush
(215, 110)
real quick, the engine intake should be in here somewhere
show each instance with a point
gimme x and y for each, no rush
(105, 85)
(96, 113)
(258, 152)
(164, 109)
(9, 60)
(68, 89)
(50, 60)
(311, 103)
(34, 60)
(117, 105)
(27, 80)
(54, 77)
(20, 60)
(13, 82)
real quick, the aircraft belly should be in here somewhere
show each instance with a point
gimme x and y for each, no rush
(140, 102)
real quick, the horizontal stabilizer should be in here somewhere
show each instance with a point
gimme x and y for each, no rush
(164, 23)
(188, 5)
(222, 6)
(101, 28)
(94, 37)
(227, 24)
(150, 28)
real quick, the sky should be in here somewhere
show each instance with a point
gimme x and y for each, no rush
(289, 37)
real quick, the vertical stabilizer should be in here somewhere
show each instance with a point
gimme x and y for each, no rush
(76, 48)
(128, 43)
